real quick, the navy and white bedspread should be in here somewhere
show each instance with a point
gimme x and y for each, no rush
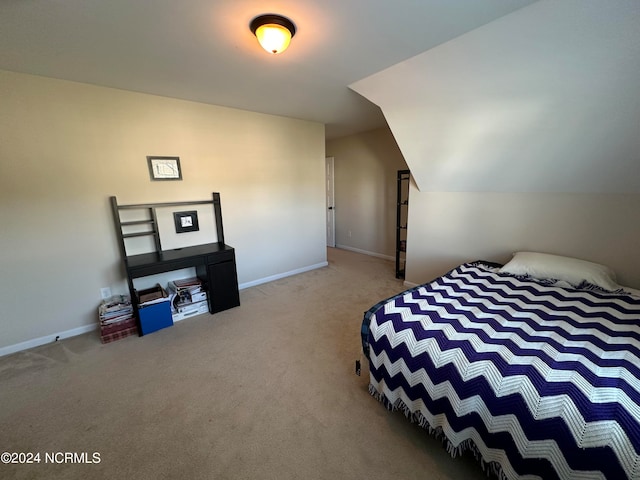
(539, 381)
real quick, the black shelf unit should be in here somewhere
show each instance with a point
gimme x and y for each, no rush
(402, 215)
(215, 263)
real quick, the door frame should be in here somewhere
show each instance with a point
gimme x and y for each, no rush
(330, 201)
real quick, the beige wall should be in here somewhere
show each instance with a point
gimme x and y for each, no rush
(446, 229)
(366, 168)
(66, 147)
(449, 228)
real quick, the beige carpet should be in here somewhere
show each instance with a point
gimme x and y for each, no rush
(263, 391)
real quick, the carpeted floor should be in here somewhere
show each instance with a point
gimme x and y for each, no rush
(263, 391)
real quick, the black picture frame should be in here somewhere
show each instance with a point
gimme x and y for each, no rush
(164, 168)
(186, 221)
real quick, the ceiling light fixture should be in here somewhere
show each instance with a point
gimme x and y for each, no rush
(274, 32)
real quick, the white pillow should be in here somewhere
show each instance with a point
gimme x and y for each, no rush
(572, 270)
(631, 291)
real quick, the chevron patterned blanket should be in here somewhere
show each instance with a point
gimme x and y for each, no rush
(538, 380)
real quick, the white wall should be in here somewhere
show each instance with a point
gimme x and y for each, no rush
(541, 100)
(66, 147)
(540, 105)
(366, 167)
(449, 228)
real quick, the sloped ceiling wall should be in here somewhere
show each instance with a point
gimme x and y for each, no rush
(545, 99)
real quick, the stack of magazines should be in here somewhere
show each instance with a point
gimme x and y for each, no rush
(116, 318)
(188, 297)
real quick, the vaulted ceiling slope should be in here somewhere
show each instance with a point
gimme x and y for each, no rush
(203, 50)
(544, 99)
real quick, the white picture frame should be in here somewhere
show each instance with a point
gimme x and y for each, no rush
(164, 168)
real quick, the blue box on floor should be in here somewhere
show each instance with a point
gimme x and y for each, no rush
(156, 314)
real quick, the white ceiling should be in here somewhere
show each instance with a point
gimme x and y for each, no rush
(204, 51)
(553, 109)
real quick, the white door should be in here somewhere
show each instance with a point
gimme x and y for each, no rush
(331, 215)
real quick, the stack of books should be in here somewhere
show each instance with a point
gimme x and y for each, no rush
(188, 298)
(116, 318)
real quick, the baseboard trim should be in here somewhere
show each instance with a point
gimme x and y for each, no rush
(278, 276)
(36, 342)
(366, 252)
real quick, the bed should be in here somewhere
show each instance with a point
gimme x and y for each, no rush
(533, 366)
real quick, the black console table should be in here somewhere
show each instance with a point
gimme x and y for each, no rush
(215, 263)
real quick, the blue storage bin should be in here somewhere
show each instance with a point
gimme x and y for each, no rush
(157, 314)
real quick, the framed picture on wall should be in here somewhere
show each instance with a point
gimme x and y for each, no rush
(164, 168)
(186, 221)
